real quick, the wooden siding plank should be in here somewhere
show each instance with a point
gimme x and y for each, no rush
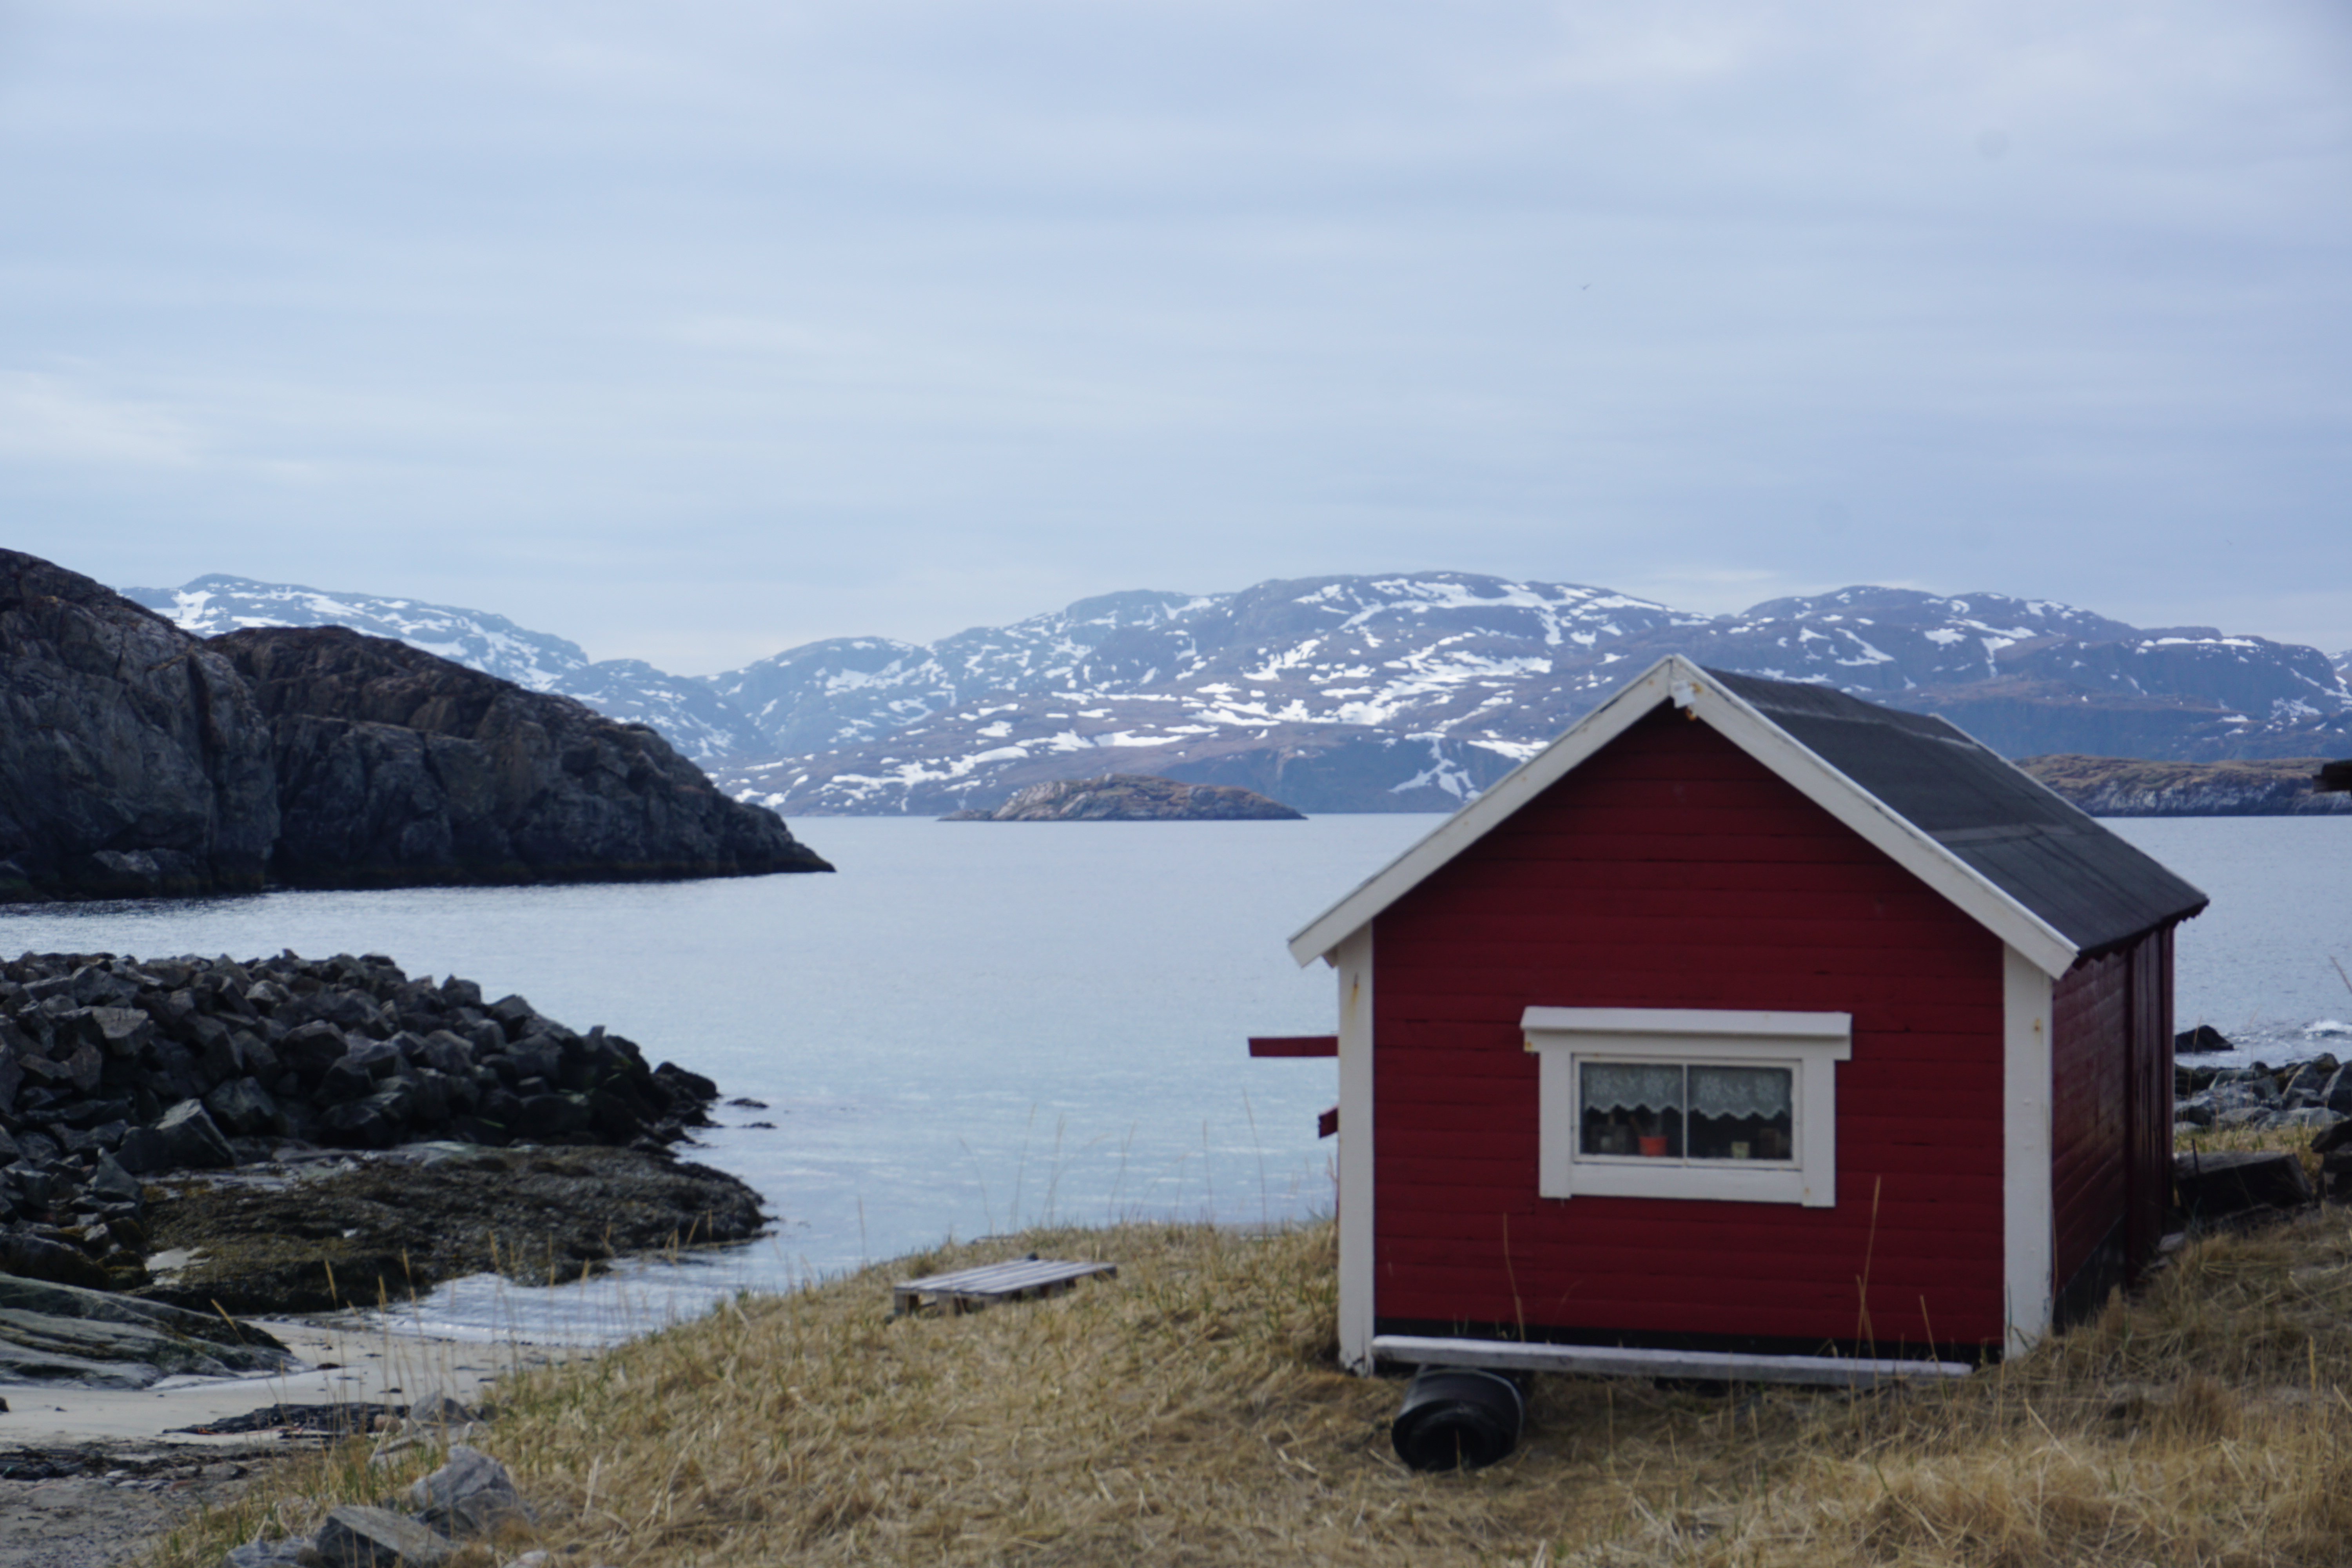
(1872, 908)
(1954, 1314)
(1918, 1228)
(1601, 944)
(1591, 981)
(1908, 1203)
(1662, 1274)
(1793, 925)
(1294, 1045)
(1702, 877)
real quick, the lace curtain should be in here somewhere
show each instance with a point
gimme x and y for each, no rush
(1614, 1088)
(1656, 1087)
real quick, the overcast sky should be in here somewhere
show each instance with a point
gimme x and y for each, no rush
(692, 331)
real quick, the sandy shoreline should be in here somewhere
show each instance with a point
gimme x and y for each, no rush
(102, 1471)
(355, 1366)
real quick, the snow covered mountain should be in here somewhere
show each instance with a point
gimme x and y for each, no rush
(208, 606)
(690, 716)
(1350, 694)
(1413, 692)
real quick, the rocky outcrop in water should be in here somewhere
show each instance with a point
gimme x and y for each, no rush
(1132, 797)
(133, 759)
(318, 1230)
(121, 1076)
(2136, 786)
(395, 767)
(137, 760)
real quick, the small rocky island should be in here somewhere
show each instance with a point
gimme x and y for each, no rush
(186, 1136)
(2139, 786)
(1132, 797)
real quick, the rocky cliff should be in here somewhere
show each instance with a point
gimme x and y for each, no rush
(1132, 797)
(395, 767)
(137, 759)
(133, 759)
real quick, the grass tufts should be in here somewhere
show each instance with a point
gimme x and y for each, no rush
(1190, 1412)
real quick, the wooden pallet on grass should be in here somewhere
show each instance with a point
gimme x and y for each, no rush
(969, 1290)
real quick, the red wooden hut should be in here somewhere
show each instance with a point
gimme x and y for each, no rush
(1748, 1024)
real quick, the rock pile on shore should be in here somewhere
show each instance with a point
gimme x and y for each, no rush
(2211, 1182)
(116, 1070)
(2316, 1094)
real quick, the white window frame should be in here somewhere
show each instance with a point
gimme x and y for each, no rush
(1809, 1045)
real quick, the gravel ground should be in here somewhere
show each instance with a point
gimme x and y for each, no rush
(92, 1505)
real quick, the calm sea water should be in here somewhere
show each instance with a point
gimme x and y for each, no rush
(974, 1026)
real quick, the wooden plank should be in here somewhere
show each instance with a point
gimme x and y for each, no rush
(1500, 1114)
(1455, 958)
(1815, 1310)
(1599, 943)
(1972, 1318)
(1897, 1262)
(1914, 1226)
(1493, 895)
(1566, 1229)
(1294, 1045)
(1861, 1132)
(1790, 922)
(1611, 1361)
(1741, 819)
(1668, 848)
(1660, 977)
(1696, 879)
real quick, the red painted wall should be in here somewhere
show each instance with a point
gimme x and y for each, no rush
(1672, 870)
(2148, 1137)
(2111, 1107)
(2091, 1017)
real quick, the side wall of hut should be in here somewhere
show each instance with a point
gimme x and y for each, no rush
(2090, 1172)
(2111, 1119)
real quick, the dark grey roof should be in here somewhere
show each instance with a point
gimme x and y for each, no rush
(2092, 886)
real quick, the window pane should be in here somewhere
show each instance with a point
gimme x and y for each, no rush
(1631, 1108)
(1741, 1114)
(1652, 1086)
(1740, 1091)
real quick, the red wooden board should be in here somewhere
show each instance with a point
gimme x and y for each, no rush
(1294, 1045)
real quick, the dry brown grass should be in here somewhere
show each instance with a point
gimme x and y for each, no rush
(1190, 1412)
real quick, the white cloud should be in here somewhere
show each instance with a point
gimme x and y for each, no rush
(940, 312)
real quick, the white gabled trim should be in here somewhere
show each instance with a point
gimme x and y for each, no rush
(1353, 961)
(2027, 1247)
(1620, 1360)
(1676, 679)
(1492, 806)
